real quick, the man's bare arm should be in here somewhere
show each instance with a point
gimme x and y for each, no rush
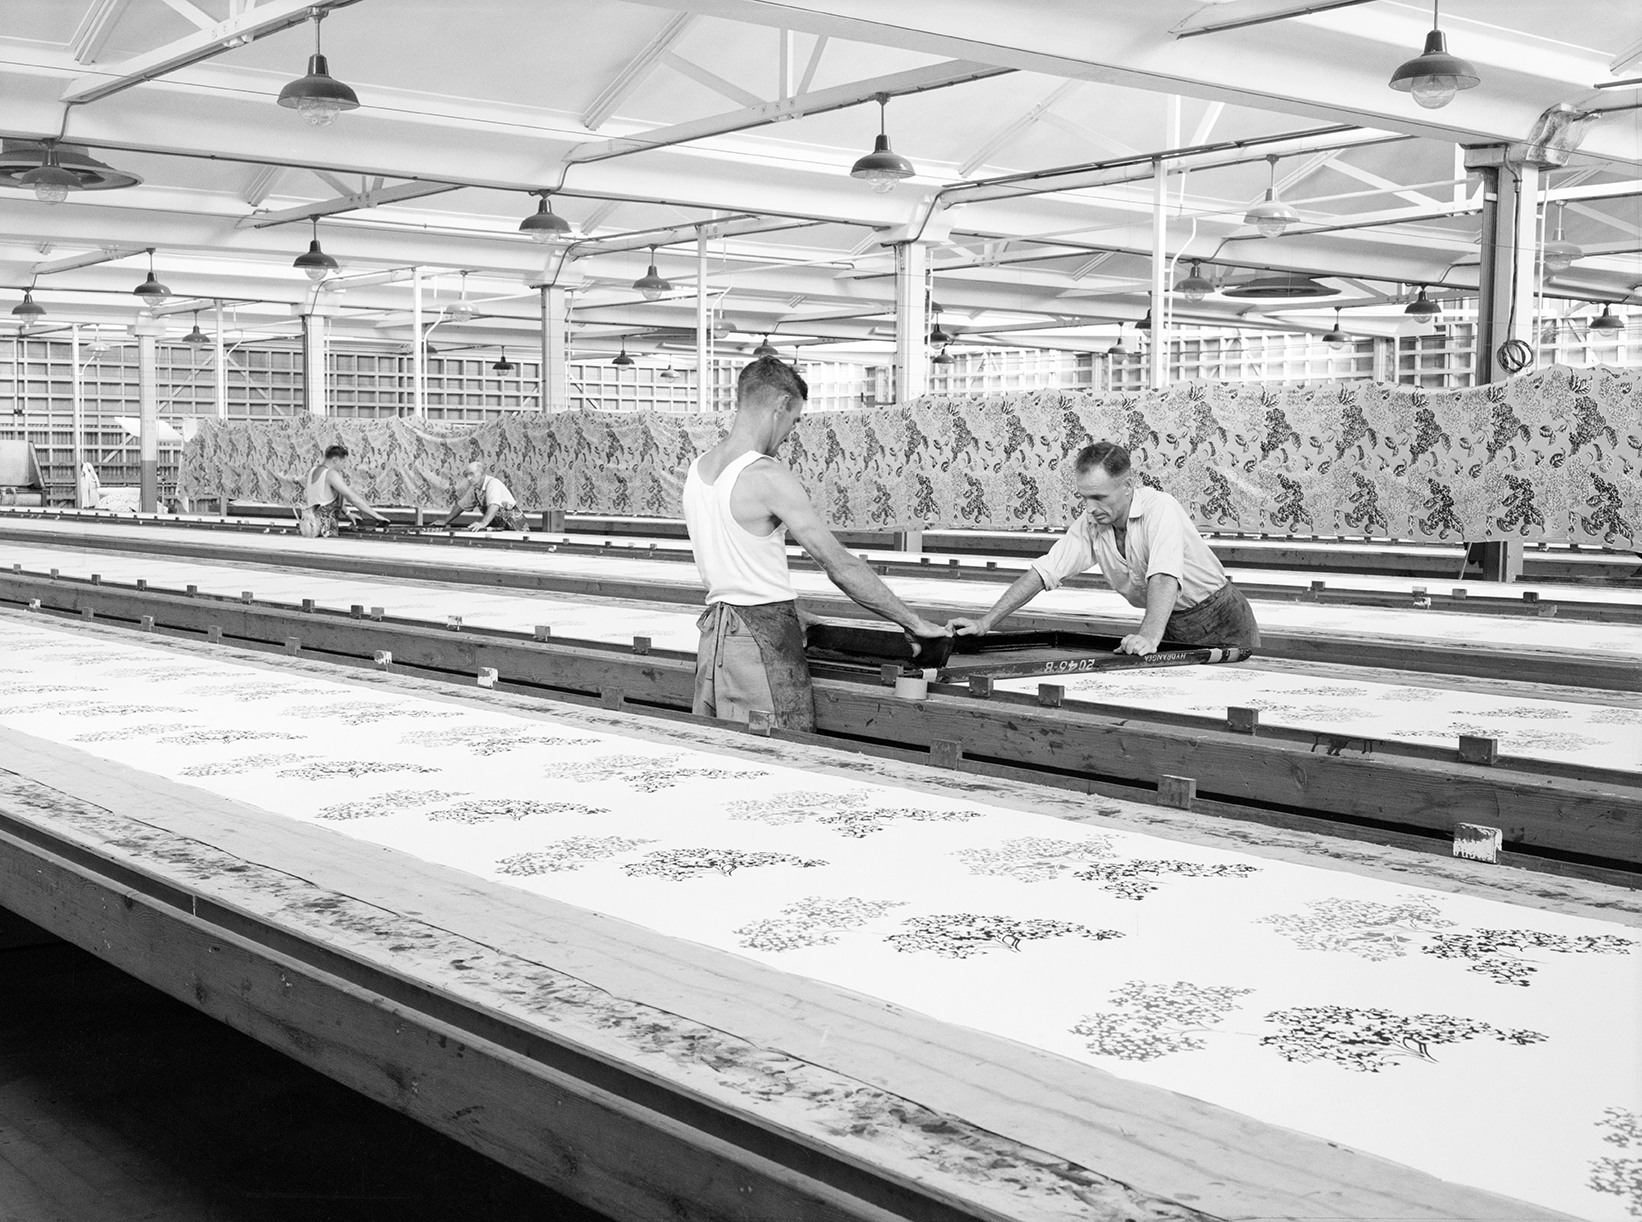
(1023, 590)
(1162, 592)
(783, 497)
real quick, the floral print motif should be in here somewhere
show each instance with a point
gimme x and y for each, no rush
(1134, 880)
(1369, 1040)
(960, 935)
(491, 810)
(569, 854)
(813, 921)
(846, 813)
(1559, 452)
(1373, 931)
(1491, 950)
(245, 763)
(1153, 1020)
(391, 803)
(681, 864)
(1621, 1176)
(645, 773)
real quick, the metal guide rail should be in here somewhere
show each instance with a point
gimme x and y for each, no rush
(865, 650)
(1588, 819)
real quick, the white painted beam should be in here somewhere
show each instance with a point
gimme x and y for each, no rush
(711, 80)
(1007, 134)
(95, 27)
(1237, 14)
(838, 97)
(201, 20)
(636, 72)
(345, 203)
(271, 16)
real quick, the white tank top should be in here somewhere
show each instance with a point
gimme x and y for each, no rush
(318, 491)
(738, 567)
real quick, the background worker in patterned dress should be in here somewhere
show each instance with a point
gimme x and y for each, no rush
(740, 505)
(1148, 547)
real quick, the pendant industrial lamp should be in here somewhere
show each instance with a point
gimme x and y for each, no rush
(460, 310)
(1560, 255)
(1435, 76)
(882, 168)
(1607, 322)
(765, 349)
(504, 366)
(96, 347)
(51, 182)
(651, 284)
(28, 309)
(937, 334)
(1336, 338)
(621, 358)
(196, 337)
(943, 357)
(318, 97)
(1145, 324)
(544, 225)
(669, 374)
(1271, 216)
(314, 262)
(1422, 306)
(151, 290)
(1196, 286)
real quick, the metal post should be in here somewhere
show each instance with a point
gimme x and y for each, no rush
(911, 321)
(78, 390)
(222, 374)
(313, 364)
(1160, 265)
(704, 400)
(419, 403)
(148, 399)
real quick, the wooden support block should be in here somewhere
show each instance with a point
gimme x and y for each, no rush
(1243, 721)
(87, 613)
(453, 622)
(1177, 791)
(307, 604)
(553, 520)
(1477, 842)
(760, 722)
(96, 578)
(383, 659)
(192, 591)
(945, 752)
(54, 574)
(923, 559)
(142, 582)
(293, 644)
(214, 635)
(246, 596)
(991, 564)
(1528, 596)
(888, 673)
(1050, 695)
(487, 676)
(1547, 611)
(146, 624)
(356, 610)
(34, 604)
(641, 644)
(378, 613)
(1317, 587)
(1461, 592)
(1475, 749)
(541, 632)
(16, 568)
(612, 697)
(980, 686)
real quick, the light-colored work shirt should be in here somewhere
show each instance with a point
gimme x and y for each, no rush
(493, 492)
(1162, 539)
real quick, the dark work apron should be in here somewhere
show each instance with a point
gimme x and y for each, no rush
(780, 639)
(1223, 619)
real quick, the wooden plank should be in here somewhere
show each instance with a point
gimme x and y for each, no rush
(1152, 1139)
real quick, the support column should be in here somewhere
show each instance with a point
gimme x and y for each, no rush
(313, 365)
(555, 392)
(78, 390)
(148, 402)
(1160, 288)
(704, 372)
(222, 374)
(911, 321)
(419, 402)
(1505, 304)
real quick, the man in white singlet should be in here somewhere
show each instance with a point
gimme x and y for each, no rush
(740, 504)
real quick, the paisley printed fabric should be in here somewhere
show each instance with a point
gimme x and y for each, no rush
(1555, 455)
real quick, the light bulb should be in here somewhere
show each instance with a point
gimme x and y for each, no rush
(1194, 294)
(50, 192)
(1271, 226)
(882, 181)
(316, 274)
(318, 112)
(460, 311)
(1337, 344)
(1434, 92)
(651, 292)
(1560, 256)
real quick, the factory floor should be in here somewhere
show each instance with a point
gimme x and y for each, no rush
(120, 1104)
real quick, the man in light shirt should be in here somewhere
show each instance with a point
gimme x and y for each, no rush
(1149, 549)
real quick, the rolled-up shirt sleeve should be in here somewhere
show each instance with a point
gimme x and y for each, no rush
(1070, 556)
(1166, 544)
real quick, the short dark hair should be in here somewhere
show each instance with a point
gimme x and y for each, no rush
(336, 452)
(770, 373)
(1107, 455)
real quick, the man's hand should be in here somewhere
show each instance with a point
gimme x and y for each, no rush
(1136, 644)
(473, 526)
(923, 630)
(969, 627)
